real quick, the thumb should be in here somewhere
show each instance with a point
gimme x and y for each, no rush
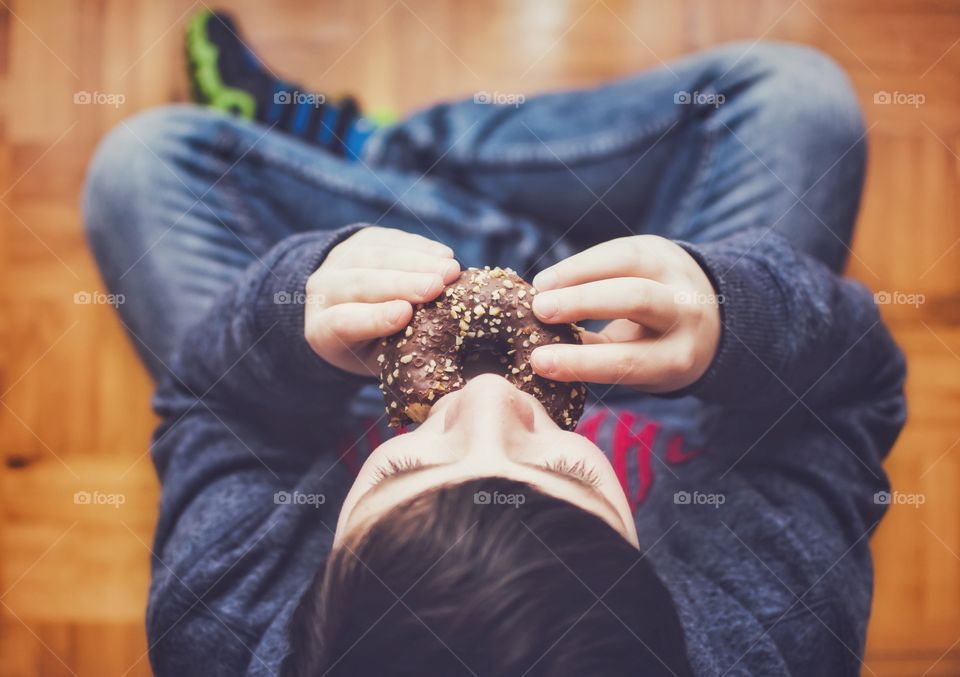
(396, 314)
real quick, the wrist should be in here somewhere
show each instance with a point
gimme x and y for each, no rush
(281, 301)
(751, 313)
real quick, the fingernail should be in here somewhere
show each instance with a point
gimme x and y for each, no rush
(544, 360)
(394, 312)
(545, 306)
(546, 279)
(449, 269)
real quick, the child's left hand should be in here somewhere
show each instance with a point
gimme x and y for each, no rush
(665, 316)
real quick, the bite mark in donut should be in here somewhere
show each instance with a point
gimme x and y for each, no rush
(484, 312)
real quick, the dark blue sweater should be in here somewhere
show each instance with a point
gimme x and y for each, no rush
(754, 489)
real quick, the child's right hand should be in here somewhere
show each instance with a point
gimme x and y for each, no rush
(364, 290)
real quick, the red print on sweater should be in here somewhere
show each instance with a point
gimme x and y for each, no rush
(629, 440)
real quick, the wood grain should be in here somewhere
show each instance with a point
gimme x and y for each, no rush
(74, 415)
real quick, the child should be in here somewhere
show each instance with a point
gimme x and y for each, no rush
(711, 513)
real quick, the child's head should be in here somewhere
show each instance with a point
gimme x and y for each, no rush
(505, 546)
(448, 583)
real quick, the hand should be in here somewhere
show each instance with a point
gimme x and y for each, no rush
(364, 290)
(665, 324)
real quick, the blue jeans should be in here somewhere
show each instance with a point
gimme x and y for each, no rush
(179, 200)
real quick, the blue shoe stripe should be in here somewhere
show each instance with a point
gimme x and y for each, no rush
(326, 129)
(276, 107)
(301, 117)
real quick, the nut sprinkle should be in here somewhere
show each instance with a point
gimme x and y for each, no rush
(484, 310)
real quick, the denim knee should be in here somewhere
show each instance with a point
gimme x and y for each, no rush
(802, 91)
(135, 159)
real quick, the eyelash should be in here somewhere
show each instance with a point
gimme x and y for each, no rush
(404, 464)
(396, 466)
(579, 469)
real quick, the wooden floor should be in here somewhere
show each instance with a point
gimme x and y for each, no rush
(75, 416)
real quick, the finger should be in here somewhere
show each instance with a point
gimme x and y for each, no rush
(617, 331)
(370, 285)
(399, 258)
(350, 323)
(621, 257)
(591, 337)
(634, 298)
(402, 238)
(640, 363)
(371, 236)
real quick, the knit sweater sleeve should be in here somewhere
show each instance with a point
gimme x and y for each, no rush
(807, 397)
(249, 419)
(792, 330)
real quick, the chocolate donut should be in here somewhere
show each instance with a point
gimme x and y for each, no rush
(483, 314)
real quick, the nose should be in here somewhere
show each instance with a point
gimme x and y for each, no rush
(489, 409)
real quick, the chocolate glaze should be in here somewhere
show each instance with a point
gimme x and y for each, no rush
(486, 310)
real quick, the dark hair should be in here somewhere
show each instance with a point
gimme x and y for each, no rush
(486, 577)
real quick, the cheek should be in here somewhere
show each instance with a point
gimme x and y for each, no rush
(378, 458)
(368, 474)
(605, 468)
(580, 448)
(611, 484)
(594, 456)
